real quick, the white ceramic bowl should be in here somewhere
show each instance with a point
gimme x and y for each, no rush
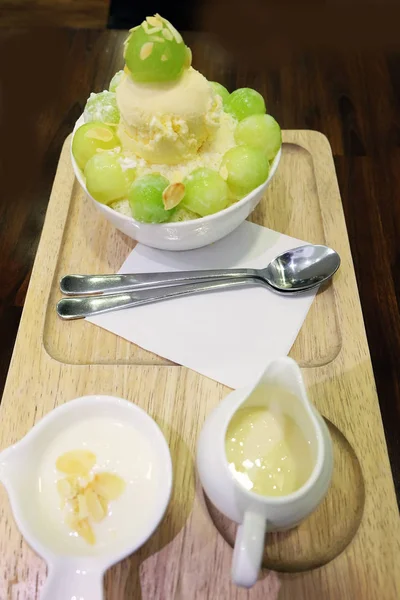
(185, 235)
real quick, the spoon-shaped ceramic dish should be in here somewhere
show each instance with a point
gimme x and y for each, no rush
(293, 272)
(75, 568)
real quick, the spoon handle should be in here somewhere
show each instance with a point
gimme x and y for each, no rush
(78, 308)
(82, 285)
(68, 579)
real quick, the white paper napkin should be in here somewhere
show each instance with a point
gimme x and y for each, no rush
(228, 335)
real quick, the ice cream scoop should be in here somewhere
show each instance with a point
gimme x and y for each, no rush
(167, 122)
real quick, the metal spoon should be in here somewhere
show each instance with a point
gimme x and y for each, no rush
(294, 270)
(291, 273)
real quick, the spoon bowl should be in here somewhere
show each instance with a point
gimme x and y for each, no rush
(301, 268)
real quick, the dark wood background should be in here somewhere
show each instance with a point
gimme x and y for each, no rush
(324, 77)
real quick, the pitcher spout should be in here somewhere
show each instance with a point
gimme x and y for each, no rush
(281, 391)
(285, 373)
(282, 385)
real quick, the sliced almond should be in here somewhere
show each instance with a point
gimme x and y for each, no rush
(83, 510)
(146, 50)
(64, 488)
(177, 36)
(164, 57)
(99, 133)
(71, 516)
(74, 483)
(94, 506)
(188, 58)
(153, 30)
(68, 487)
(224, 172)
(76, 462)
(74, 505)
(150, 30)
(108, 485)
(167, 34)
(104, 504)
(72, 520)
(156, 38)
(154, 21)
(173, 194)
(85, 531)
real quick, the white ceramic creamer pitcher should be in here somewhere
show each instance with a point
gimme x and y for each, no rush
(257, 514)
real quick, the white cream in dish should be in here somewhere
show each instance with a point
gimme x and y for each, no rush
(120, 448)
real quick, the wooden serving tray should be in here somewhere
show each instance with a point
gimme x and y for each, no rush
(354, 538)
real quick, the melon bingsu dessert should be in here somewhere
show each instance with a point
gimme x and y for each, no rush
(164, 144)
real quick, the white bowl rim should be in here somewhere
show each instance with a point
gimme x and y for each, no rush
(226, 211)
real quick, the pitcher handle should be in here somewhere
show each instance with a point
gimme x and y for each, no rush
(248, 550)
(67, 580)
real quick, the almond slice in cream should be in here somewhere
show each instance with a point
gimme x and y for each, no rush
(94, 506)
(84, 529)
(76, 462)
(108, 485)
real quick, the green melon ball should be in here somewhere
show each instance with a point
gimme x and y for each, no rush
(245, 102)
(247, 168)
(90, 138)
(155, 52)
(102, 107)
(106, 179)
(205, 192)
(115, 81)
(146, 201)
(219, 89)
(261, 132)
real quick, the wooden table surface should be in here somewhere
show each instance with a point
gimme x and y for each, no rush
(352, 97)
